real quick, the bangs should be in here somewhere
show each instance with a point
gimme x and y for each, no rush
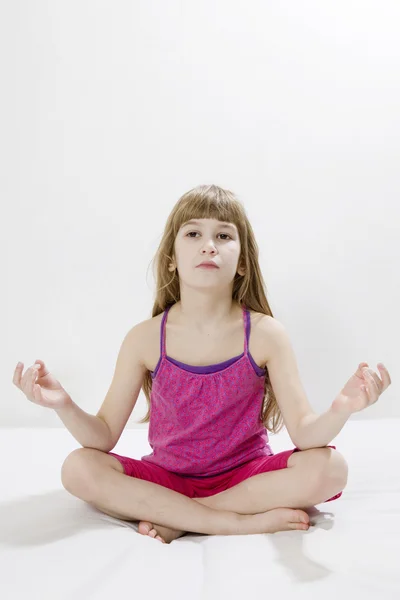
(208, 206)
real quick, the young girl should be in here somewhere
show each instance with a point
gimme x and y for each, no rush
(218, 372)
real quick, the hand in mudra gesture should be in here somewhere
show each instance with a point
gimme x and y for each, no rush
(362, 389)
(40, 386)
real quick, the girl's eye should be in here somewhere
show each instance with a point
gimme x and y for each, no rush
(188, 234)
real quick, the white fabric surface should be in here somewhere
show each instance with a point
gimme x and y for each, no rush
(55, 546)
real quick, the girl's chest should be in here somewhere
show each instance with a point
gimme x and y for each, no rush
(201, 350)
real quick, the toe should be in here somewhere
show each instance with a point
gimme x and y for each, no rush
(301, 520)
(152, 533)
(303, 517)
(145, 527)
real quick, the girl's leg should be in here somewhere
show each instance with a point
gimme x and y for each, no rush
(311, 477)
(85, 475)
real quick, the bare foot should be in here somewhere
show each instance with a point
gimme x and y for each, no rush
(165, 534)
(159, 532)
(277, 519)
(271, 521)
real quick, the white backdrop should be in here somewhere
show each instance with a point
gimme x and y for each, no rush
(110, 111)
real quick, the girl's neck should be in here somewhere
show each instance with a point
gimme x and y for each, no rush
(205, 320)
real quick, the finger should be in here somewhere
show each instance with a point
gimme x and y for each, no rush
(369, 393)
(33, 379)
(373, 377)
(27, 380)
(29, 383)
(385, 375)
(36, 393)
(24, 379)
(361, 367)
(43, 370)
(373, 388)
(17, 375)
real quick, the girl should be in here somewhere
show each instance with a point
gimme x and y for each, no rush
(209, 415)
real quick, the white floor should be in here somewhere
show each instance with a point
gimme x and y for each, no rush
(55, 546)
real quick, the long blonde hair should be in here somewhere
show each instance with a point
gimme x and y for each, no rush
(213, 202)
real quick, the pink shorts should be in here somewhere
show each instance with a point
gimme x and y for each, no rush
(201, 487)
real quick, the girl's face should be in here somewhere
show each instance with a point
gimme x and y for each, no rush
(207, 240)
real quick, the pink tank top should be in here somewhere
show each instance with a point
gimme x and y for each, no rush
(206, 420)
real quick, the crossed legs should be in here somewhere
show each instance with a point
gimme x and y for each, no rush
(312, 477)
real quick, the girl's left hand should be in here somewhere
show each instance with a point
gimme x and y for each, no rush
(362, 389)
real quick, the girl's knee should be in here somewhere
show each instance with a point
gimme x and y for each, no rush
(322, 465)
(332, 466)
(339, 467)
(76, 475)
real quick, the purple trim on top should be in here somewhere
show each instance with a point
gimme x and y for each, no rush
(203, 369)
(207, 368)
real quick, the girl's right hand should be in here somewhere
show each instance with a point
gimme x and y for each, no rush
(40, 387)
